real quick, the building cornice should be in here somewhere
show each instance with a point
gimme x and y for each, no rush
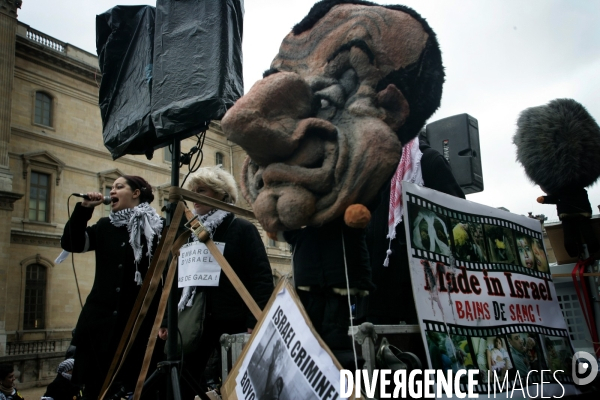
(7, 200)
(56, 61)
(52, 85)
(274, 259)
(9, 7)
(70, 145)
(34, 238)
(67, 144)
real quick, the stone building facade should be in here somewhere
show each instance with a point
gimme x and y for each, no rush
(51, 146)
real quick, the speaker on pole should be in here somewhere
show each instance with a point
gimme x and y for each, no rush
(457, 139)
(197, 64)
(167, 71)
(125, 46)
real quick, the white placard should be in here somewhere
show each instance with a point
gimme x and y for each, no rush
(197, 267)
(285, 359)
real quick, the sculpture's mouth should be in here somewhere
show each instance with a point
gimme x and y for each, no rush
(308, 180)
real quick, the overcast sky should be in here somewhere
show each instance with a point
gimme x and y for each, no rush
(501, 56)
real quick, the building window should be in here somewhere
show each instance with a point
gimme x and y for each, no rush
(165, 212)
(168, 154)
(219, 158)
(39, 189)
(106, 180)
(272, 243)
(35, 297)
(43, 109)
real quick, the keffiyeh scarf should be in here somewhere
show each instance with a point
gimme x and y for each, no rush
(409, 169)
(211, 221)
(65, 367)
(139, 220)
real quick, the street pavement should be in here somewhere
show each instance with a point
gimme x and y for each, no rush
(34, 393)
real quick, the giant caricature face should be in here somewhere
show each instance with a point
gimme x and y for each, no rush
(321, 128)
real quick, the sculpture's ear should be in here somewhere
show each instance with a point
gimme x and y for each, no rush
(395, 106)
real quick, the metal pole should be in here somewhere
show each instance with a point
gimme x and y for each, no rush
(172, 305)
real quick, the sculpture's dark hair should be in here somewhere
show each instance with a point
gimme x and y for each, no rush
(421, 83)
(270, 71)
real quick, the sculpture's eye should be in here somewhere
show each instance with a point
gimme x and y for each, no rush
(326, 108)
(328, 100)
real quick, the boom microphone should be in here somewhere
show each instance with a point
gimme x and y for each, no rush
(558, 145)
(105, 200)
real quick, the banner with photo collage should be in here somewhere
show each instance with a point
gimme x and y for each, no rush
(484, 294)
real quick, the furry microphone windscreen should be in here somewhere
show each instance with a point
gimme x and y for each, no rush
(558, 144)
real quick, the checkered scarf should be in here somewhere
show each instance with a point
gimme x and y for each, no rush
(65, 367)
(409, 169)
(140, 219)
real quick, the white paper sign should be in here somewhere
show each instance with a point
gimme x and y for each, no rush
(285, 360)
(197, 267)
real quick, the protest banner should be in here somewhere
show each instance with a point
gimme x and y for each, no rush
(285, 357)
(485, 297)
(197, 266)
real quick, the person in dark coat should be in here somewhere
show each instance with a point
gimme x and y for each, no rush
(62, 388)
(320, 257)
(123, 243)
(8, 390)
(225, 311)
(393, 300)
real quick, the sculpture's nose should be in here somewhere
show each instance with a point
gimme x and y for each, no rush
(265, 121)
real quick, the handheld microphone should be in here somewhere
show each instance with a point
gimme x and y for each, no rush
(105, 200)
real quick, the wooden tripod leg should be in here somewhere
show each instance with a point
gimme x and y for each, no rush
(204, 237)
(143, 300)
(233, 278)
(153, 334)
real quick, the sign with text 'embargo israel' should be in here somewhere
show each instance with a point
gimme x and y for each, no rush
(197, 267)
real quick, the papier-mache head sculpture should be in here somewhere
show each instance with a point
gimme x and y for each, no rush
(324, 128)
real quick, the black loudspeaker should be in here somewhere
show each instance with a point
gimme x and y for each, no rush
(125, 43)
(167, 71)
(457, 139)
(197, 64)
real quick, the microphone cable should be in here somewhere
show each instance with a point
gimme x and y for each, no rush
(180, 341)
(186, 158)
(73, 255)
(349, 301)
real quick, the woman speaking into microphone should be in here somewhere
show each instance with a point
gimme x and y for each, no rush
(123, 243)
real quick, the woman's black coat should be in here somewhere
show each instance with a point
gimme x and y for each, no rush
(245, 252)
(62, 388)
(107, 307)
